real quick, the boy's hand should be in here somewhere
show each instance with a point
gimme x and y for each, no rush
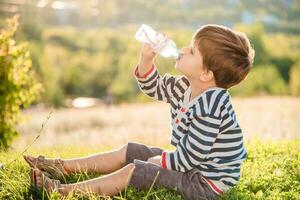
(147, 55)
(155, 160)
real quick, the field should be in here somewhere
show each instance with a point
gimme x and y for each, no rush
(270, 124)
(267, 118)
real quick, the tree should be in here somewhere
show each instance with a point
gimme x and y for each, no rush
(18, 84)
(294, 79)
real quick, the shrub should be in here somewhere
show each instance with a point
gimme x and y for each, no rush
(294, 80)
(18, 85)
(262, 79)
(283, 65)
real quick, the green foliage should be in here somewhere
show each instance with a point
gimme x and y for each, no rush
(284, 65)
(270, 171)
(18, 85)
(276, 15)
(295, 79)
(89, 63)
(74, 62)
(263, 79)
(255, 34)
(91, 50)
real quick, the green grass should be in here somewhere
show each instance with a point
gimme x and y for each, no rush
(271, 171)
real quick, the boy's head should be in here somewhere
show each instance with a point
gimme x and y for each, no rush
(217, 54)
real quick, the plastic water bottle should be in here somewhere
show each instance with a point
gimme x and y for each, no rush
(160, 43)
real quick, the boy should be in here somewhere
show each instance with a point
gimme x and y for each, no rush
(208, 139)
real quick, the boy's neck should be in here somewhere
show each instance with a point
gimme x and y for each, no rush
(198, 87)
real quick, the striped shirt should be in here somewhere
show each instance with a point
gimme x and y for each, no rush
(205, 130)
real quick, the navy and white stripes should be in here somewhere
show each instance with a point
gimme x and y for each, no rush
(205, 130)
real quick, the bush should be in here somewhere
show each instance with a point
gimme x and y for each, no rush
(18, 85)
(255, 33)
(294, 79)
(283, 65)
(75, 62)
(263, 80)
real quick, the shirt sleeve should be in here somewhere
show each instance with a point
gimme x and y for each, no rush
(158, 87)
(194, 146)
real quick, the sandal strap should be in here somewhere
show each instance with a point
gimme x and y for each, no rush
(40, 159)
(54, 167)
(52, 184)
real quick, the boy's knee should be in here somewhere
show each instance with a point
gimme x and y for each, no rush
(131, 165)
(130, 168)
(124, 149)
(149, 159)
(152, 159)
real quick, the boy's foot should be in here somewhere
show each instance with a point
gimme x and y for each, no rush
(39, 180)
(55, 167)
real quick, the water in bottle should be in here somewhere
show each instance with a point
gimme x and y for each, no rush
(158, 41)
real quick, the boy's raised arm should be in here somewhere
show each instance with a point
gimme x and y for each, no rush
(151, 82)
(146, 59)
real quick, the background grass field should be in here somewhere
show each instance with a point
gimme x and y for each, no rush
(268, 118)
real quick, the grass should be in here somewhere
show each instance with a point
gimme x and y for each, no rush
(271, 171)
(266, 117)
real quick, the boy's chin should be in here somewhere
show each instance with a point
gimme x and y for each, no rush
(178, 67)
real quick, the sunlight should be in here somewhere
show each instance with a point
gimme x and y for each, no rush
(84, 102)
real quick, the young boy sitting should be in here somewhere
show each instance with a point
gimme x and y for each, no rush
(205, 131)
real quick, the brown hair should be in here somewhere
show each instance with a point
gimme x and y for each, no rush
(227, 53)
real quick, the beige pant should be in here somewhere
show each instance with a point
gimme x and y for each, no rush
(190, 184)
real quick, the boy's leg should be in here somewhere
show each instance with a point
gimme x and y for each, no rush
(191, 184)
(140, 151)
(107, 185)
(141, 175)
(104, 163)
(111, 161)
(145, 174)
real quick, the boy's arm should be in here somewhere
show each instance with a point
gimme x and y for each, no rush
(150, 81)
(146, 60)
(194, 146)
(158, 87)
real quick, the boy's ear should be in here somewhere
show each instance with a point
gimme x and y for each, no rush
(206, 76)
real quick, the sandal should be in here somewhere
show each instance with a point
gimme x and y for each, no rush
(54, 167)
(48, 184)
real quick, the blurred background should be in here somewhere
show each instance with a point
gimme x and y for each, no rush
(84, 52)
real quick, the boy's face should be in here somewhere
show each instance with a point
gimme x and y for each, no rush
(190, 62)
